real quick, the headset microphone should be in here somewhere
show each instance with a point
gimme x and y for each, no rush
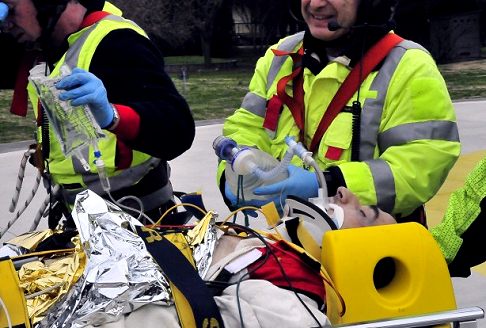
(333, 26)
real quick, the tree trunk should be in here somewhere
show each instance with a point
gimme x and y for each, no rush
(206, 48)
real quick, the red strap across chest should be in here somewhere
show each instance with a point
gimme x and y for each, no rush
(20, 97)
(294, 103)
(352, 82)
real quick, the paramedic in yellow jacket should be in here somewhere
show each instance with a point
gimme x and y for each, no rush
(119, 74)
(394, 142)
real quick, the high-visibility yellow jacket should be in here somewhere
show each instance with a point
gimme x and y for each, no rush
(409, 136)
(69, 170)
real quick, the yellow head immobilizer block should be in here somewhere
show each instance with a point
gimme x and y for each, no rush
(12, 296)
(385, 272)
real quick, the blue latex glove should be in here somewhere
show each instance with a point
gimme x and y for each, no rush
(84, 88)
(300, 183)
(3, 11)
(232, 198)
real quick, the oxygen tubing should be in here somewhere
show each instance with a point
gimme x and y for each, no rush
(282, 167)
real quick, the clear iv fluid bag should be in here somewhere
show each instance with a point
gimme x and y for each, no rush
(256, 168)
(74, 126)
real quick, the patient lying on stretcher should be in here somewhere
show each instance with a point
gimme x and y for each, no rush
(260, 280)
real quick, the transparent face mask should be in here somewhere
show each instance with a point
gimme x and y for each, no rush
(74, 126)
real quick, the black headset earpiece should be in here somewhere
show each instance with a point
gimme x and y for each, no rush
(377, 14)
(294, 10)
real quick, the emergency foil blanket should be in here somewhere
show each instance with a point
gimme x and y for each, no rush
(202, 239)
(45, 281)
(74, 126)
(44, 276)
(120, 275)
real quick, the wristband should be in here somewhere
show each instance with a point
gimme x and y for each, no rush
(116, 119)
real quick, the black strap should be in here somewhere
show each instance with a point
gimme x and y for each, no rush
(183, 275)
(220, 283)
(291, 226)
(418, 215)
(471, 252)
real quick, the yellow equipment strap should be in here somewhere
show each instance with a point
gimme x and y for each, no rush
(184, 311)
(308, 242)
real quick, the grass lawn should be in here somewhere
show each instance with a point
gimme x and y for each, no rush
(12, 127)
(215, 94)
(465, 80)
(184, 60)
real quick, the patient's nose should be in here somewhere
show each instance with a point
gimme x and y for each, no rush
(345, 196)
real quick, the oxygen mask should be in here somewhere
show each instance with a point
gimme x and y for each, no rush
(248, 168)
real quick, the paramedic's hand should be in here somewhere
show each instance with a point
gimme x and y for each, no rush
(84, 88)
(300, 183)
(237, 204)
(3, 11)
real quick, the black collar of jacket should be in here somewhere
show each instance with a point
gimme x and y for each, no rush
(92, 5)
(352, 45)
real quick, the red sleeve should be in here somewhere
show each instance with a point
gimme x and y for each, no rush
(129, 124)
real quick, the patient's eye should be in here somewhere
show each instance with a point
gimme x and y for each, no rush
(370, 212)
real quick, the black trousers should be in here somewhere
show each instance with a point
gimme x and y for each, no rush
(473, 248)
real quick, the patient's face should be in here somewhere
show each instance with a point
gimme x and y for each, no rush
(357, 215)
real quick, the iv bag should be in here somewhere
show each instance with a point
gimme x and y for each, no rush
(74, 126)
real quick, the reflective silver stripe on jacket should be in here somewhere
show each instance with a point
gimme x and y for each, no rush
(256, 104)
(72, 59)
(72, 55)
(383, 177)
(373, 108)
(288, 44)
(405, 133)
(370, 124)
(126, 179)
